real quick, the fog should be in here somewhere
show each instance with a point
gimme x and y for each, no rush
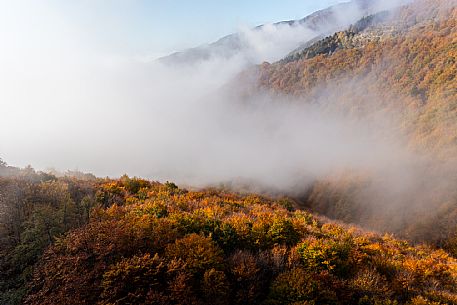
(66, 103)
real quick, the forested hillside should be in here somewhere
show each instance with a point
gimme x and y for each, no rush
(132, 241)
(406, 64)
(402, 66)
(35, 209)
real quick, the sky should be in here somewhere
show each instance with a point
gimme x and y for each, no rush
(157, 27)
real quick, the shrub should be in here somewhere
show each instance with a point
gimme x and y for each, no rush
(130, 280)
(327, 254)
(199, 253)
(301, 286)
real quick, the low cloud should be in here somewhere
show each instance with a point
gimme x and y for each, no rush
(68, 105)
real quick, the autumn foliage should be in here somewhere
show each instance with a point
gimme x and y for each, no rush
(405, 67)
(77, 239)
(165, 245)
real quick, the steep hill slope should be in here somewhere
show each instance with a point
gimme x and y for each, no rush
(402, 67)
(409, 62)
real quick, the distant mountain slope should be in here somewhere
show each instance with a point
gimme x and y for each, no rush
(324, 21)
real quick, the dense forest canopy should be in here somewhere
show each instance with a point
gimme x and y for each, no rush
(152, 243)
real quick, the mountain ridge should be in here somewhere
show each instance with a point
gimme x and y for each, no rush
(325, 20)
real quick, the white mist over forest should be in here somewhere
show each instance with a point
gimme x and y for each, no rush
(68, 104)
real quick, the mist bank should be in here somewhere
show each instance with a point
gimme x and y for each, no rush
(183, 133)
(67, 104)
(174, 124)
